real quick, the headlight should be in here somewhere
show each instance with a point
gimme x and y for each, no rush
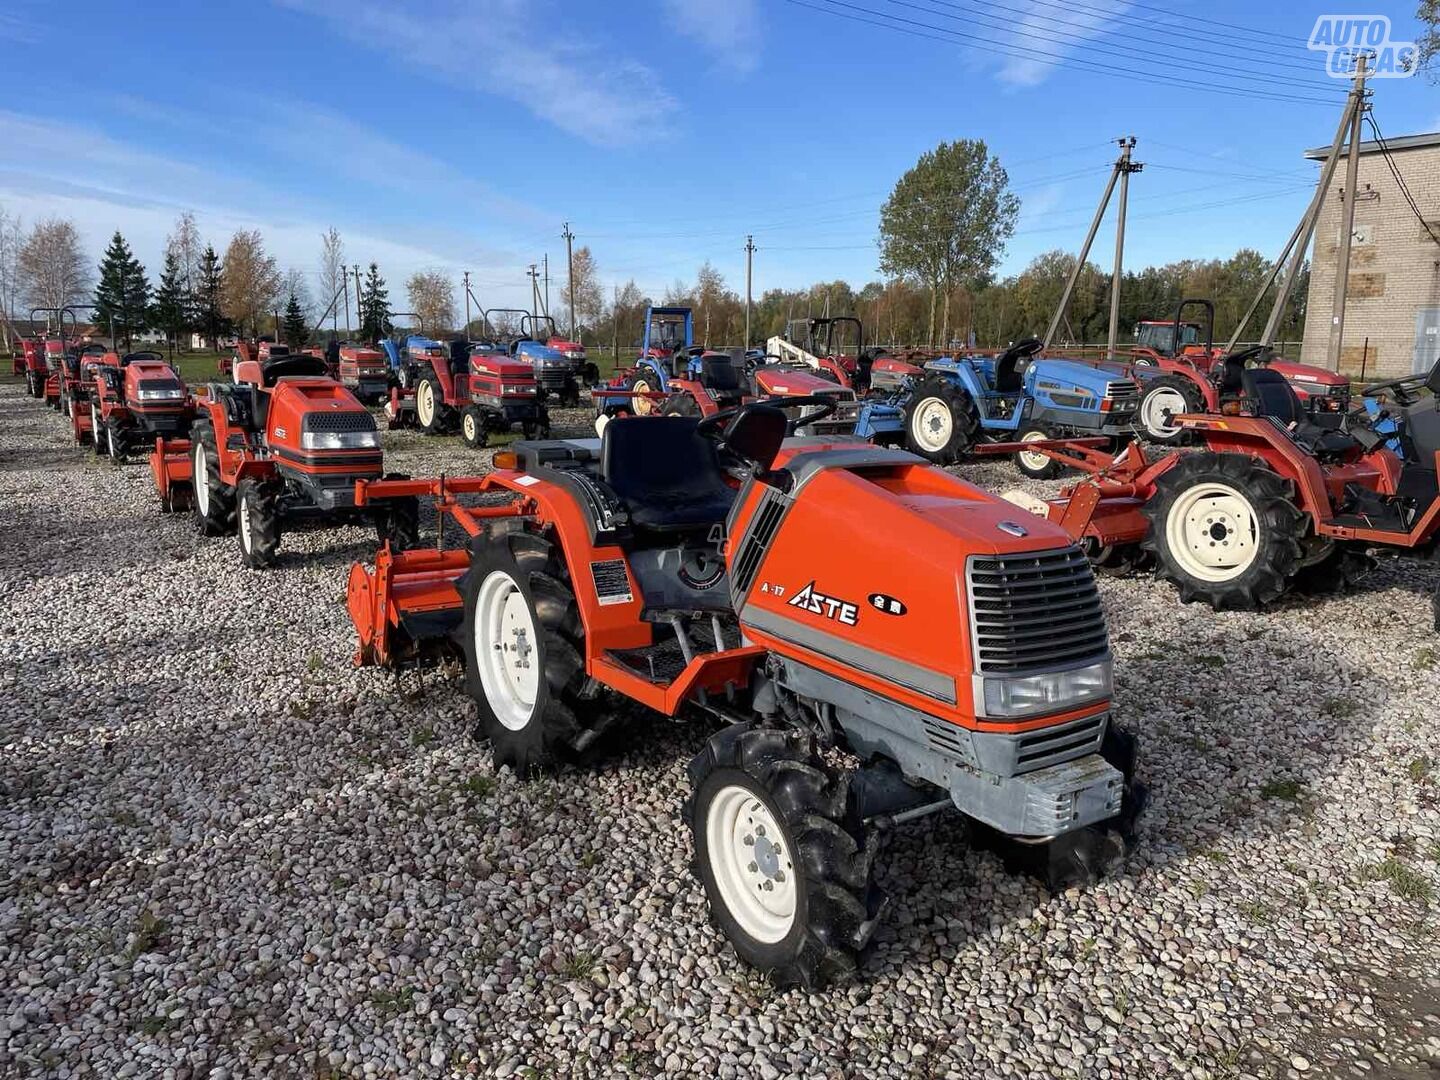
(575, 354)
(161, 395)
(1055, 691)
(340, 440)
(517, 388)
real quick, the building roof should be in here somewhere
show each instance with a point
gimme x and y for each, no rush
(1404, 142)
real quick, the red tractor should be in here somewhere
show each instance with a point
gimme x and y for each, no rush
(365, 373)
(707, 568)
(134, 400)
(828, 346)
(479, 391)
(1192, 375)
(281, 445)
(81, 396)
(1274, 501)
(77, 373)
(24, 351)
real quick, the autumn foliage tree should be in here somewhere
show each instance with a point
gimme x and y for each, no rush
(432, 297)
(249, 283)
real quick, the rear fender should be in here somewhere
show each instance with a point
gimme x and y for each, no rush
(1258, 437)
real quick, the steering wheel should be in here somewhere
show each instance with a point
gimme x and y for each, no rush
(709, 428)
(1406, 390)
(1244, 356)
(1021, 350)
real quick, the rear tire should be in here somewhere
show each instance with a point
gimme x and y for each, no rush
(680, 405)
(641, 383)
(397, 521)
(1036, 465)
(524, 646)
(1169, 395)
(1225, 529)
(430, 408)
(797, 900)
(214, 501)
(257, 522)
(940, 423)
(115, 442)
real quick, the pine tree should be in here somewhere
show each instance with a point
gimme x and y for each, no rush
(374, 307)
(170, 310)
(122, 298)
(207, 313)
(296, 327)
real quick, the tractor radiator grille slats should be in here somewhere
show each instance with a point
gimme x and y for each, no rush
(1050, 745)
(551, 378)
(757, 541)
(338, 421)
(1122, 391)
(1037, 610)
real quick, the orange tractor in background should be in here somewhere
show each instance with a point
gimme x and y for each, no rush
(133, 400)
(709, 568)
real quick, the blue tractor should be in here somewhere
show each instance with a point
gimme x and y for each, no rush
(666, 351)
(953, 403)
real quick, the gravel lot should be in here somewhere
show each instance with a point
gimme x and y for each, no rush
(226, 852)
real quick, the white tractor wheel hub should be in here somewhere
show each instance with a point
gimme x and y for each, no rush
(751, 862)
(1158, 408)
(933, 424)
(1213, 532)
(506, 650)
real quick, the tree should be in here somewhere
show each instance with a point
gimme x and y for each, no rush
(209, 308)
(185, 245)
(293, 283)
(172, 308)
(53, 269)
(946, 221)
(1428, 14)
(10, 243)
(122, 296)
(250, 282)
(296, 326)
(432, 297)
(332, 273)
(585, 286)
(374, 306)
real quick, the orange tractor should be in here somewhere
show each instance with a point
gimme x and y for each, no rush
(712, 569)
(132, 401)
(281, 445)
(1275, 501)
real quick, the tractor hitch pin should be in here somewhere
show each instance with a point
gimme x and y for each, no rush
(719, 635)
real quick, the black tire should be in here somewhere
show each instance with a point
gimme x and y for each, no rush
(590, 375)
(115, 444)
(1051, 468)
(473, 430)
(1337, 572)
(1156, 390)
(570, 394)
(680, 405)
(566, 716)
(647, 381)
(216, 517)
(97, 431)
(428, 389)
(257, 522)
(918, 411)
(397, 521)
(33, 386)
(1274, 548)
(836, 903)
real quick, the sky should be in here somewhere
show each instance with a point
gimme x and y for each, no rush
(461, 135)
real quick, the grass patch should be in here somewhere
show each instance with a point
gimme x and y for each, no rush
(126, 819)
(422, 736)
(393, 1002)
(1424, 659)
(153, 1025)
(315, 663)
(581, 965)
(1212, 662)
(479, 785)
(149, 932)
(1419, 769)
(590, 859)
(1257, 911)
(1340, 707)
(1289, 790)
(1408, 884)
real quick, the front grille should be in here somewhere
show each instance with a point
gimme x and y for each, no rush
(1051, 745)
(947, 740)
(339, 421)
(1038, 610)
(551, 378)
(1122, 391)
(757, 540)
(158, 384)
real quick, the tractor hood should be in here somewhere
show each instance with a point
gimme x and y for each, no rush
(1071, 373)
(535, 352)
(572, 350)
(505, 367)
(790, 382)
(1305, 373)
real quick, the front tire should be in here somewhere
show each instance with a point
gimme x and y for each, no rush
(524, 648)
(1163, 398)
(115, 442)
(939, 423)
(473, 429)
(779, 851)
(257, 522)
(640, 384)
(1225, 529)
(397, 521)
(430, 405)
(680, 405)
(1034, 464)
(214, 501)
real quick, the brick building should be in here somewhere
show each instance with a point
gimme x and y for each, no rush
(1394, 291)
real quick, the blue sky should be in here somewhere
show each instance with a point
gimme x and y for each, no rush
(460, 135)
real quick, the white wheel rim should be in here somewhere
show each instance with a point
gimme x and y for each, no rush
(933, 424)
(244, 515)
(1033, 459)
(1156, 406)
(469, 423)
(505, 650)
(94, 424)
(111, 443)
(750, 861)
(641, 406)
(199, 480)
(425, 403)
(1213, 532)
(600, 422)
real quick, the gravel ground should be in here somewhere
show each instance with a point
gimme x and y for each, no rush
(226, 852)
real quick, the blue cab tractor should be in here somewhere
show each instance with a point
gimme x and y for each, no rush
(954, 403)
(515, 332)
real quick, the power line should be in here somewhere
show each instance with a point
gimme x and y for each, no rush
(1399, 179)
(951, 37)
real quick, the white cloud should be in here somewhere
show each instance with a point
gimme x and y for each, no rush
(1046, 39)
(728, 28)
(506, 48)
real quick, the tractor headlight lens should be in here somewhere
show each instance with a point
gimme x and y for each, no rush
(161, 395)
(575, 354)
(517, 388)
(340, 440)
(1053, 691)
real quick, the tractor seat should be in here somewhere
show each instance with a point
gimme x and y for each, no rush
(1270, 395)
(719, 373)
(285, 367)
(668, 478)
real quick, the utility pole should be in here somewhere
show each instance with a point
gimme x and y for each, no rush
(534, 289)
(359, 304)
(1299, 242)
(749, 279)
(615, 325)
(1126, 145)
(345, 284)
(569, 238)
(1347, 218)
(1121, 167)
(467, 305)
(546, 258)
